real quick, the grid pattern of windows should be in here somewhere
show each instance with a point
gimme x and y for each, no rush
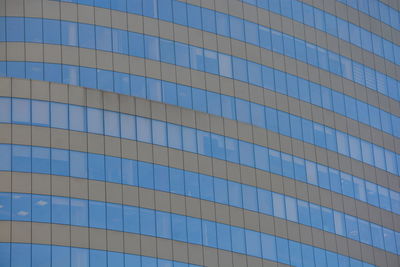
(130, 43)
(171, 135)
(157, 177)
(326, 22)
(209, 61)
(203, 100)
(217, 22)
(376, 9)
(218, 133)
(36, 255)
(130, 219)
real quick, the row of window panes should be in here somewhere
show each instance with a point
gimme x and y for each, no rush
(35, 255)
(236, 28)
(135, 44)
(92, 120)
(221, 105)
(156, 177)
(212, 62)
(167, 225)
(376, 9)
(342, 29)
(264, 117)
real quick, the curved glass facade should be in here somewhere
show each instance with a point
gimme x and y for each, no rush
(161, 133)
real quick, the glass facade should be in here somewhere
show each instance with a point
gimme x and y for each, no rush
(161, 133)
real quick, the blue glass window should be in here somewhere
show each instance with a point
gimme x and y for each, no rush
(225, 65)
(113, 169)
(143, 129)
(194, 19)
(79, 256)
(208, 18)
(40, 113)
(51, 31)
(182, 54)
(179, 227)
(136, 44)
(174, 136)
(129, 172)
(97, 214)
(86, 36)
(150, 8)
(196, 58)
(96, 170)
(103, 38)
(206, 187)
(177, 183)
(41, 256)
(33, 30)
(69, 33)
(41, 208)
(34, 71)
(15, 29)
(268, 247)
(20, 249)
(163, 225)
(246, 153)
(78, 163)
(60, 207)
(21, 158)
(249, 198)
(131, 219)
(167, 49)
(98, 257)
(239, 69)
(61, 256)
(152, 47)
(114, 216)
(189, 139)
(192, 184)
(211, 62)
(95, 120)
(165, 10)
(78, 118)
(146, 175)
(21, 111)
(194, 230)
(21, 207)
(60, 162)
(147, 222)
(264, 201)
(184, 94)
(79, 212)
(222, 24)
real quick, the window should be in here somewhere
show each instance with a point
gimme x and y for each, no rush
(114, 216)
(105, 80)
(131, 219)
(78, 164)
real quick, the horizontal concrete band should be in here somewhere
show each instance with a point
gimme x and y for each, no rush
(390, 5)
(266, 99)
(66, 255)
(140, 108)
(260, 138)
(235, 9)
(35, 52)
(331, 117)
(35, 183)
(92, 238)
(92, 58)
(81, 137)
(15, 235)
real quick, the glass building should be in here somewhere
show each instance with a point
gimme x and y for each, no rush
(185, 133)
